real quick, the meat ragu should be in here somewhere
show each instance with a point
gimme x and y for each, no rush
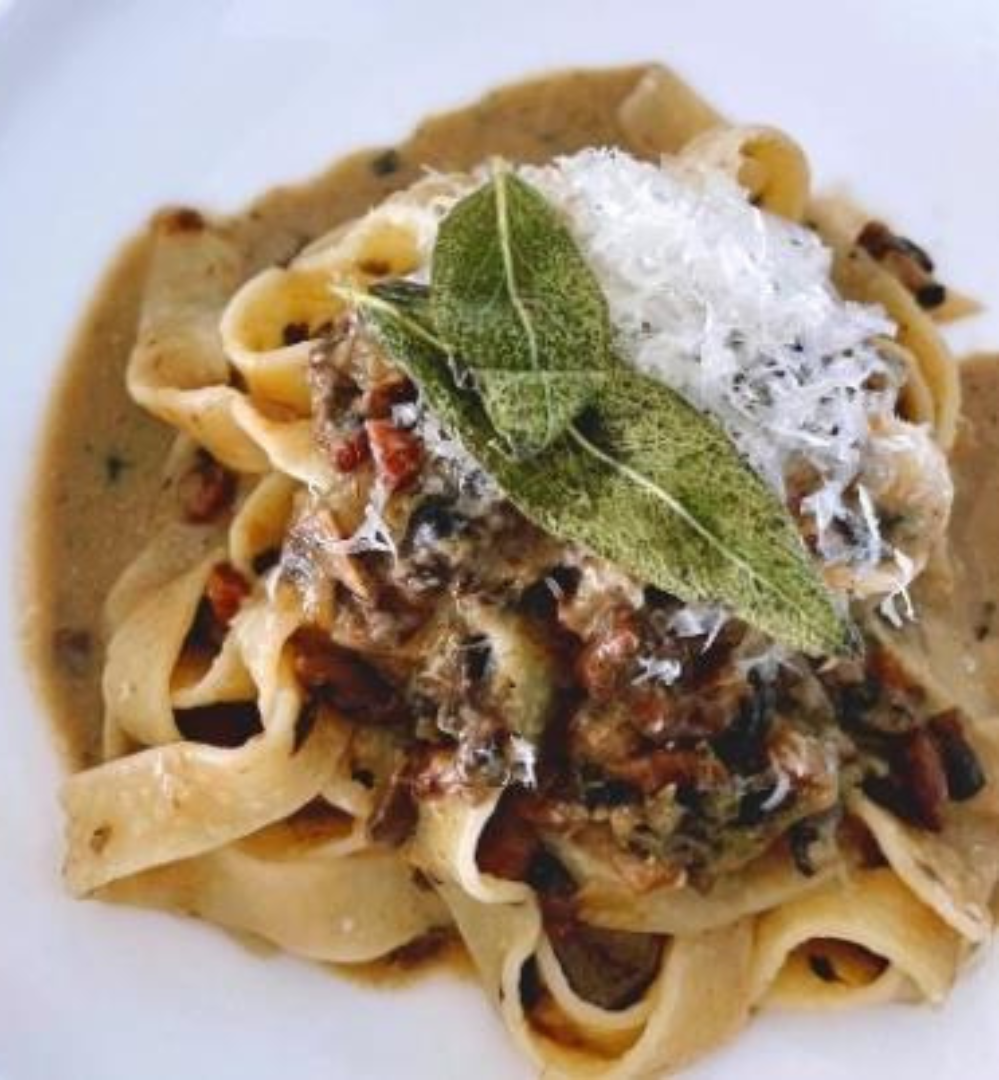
(689, 749)
(206, 490)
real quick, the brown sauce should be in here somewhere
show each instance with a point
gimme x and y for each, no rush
(437, 952)
(410, 964)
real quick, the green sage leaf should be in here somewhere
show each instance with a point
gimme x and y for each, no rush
(408, 296)
(515, 300)
(647, 482)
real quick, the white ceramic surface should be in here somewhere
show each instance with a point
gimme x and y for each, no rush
(110, 107)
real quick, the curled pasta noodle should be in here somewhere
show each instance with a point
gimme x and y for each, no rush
(445, 847)
(178, 370)
(244, 887)
(872, 909)
(175, 801)
(699, 1001)
(662, 114)
(861, 278)
(181, 798)
(766, 162)
(953, 873)
(143, 653)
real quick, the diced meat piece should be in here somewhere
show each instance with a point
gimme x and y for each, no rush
(225, 590)
(398, 454)
(878, 241)
(376, 404)
(905, 261)
(926, 779)
(206, 491)
(352, 452)
(509, 843)
(607, 657)
(179, 219)
(343, 678)
(602, 736)
(922, 782)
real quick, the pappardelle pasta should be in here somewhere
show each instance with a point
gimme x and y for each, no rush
(554, 553)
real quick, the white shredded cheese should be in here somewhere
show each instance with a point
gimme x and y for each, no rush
(876, 550)
(373, 534)
(554, 588)
(889, 606)
(782, 788)
(523, 761)
(733, 307)
(697, 620)
(664, 671)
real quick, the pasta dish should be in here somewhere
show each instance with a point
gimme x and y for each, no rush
(559, 535)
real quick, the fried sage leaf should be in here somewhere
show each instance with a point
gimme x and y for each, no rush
(647, 482)
(515, 300)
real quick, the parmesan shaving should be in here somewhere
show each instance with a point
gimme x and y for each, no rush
(664, 671)
(373, 534)
(889, 606)
(523, 758)
(733, 308)
(782, 788)
(699, 620)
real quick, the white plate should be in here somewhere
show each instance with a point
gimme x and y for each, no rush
(108, 109)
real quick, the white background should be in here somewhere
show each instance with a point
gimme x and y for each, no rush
(110, 108)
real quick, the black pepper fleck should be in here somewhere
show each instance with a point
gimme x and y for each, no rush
(386, 163)
(983, 625)
(114, 466)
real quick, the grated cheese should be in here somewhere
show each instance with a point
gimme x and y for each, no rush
(373, 534)
(782, 789)
(697, 620)
(733, 308)
(523, 758)
(890, 604)
(664, 671)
